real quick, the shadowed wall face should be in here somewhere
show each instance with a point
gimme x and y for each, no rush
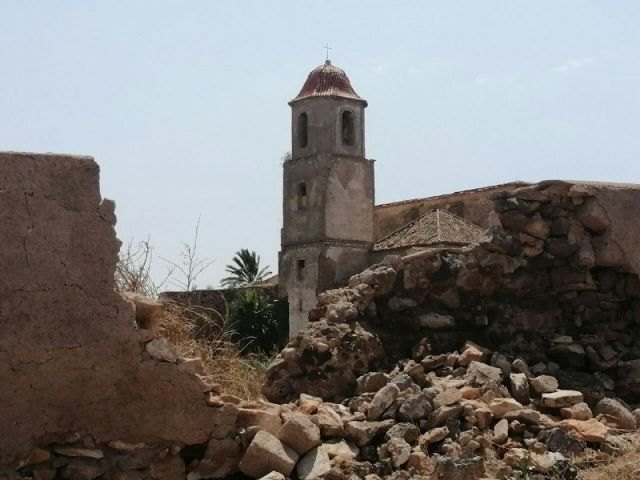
(71, 356)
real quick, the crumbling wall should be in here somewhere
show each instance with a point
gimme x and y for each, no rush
(556, 285)
(73, 364)
(472, 205)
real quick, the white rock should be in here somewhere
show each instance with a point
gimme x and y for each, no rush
(267, 454)
(501, 431)
(161, 349)
(314, 464)
(300, 432)
(436, 321)
(561, 398)
(544, 384)
(382, 400)
(341, 449)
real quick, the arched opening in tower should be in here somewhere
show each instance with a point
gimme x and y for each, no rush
(348, 128)
(302, 130)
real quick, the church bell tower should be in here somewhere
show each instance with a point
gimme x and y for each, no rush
(328, 192)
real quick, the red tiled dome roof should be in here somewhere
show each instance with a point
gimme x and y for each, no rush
(328, 81)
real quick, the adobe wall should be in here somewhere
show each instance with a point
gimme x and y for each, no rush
(472, 205)
(73, 364)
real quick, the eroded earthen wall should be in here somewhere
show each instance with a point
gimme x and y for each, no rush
(71, 358)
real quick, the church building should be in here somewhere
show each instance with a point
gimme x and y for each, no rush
(332, 227)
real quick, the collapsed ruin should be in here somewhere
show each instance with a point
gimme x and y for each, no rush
(77, 372)
(555, 279)
(423, 366)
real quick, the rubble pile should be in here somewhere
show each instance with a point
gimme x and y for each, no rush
(388, 381)
(435, 416)
(554, 282)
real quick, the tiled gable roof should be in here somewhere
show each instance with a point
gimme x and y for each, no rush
(434, 228)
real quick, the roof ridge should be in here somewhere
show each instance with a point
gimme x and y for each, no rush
(432, 227)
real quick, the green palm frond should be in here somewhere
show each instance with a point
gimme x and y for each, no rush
(244, 269)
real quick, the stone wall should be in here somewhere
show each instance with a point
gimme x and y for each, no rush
(73, 364)
(327, 225)
(557, 285)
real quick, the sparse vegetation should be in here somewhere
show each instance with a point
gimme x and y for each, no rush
(190, 266)
(133, 270)
(599, 466)
(244, 270)
(200, 332)
(240, 375)
(253, 322)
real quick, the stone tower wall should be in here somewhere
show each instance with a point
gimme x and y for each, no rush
(328, 198)
(323, 127)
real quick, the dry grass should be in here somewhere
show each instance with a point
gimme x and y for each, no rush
(598, 466)
(240, 375)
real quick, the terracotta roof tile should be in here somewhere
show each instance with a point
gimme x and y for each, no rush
(436, 227)
(328, 81)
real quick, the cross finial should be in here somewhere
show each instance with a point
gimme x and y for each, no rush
(327, 48)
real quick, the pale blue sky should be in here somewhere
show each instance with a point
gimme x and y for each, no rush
(184, 103)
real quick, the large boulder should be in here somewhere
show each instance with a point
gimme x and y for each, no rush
(616, 411)
(300, 432)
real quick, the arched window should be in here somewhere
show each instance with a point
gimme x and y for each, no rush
(302, 130)
(302, 195)
(348, 128)
(300, 274)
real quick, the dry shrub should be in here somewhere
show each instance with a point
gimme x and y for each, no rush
(598, 466)
(240, 375)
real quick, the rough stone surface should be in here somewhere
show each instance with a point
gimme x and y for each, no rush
(436, 321)
(480, 373)
(561, 398)
(414, 408)
(382, 400)
(622, 417)
(586, 430)
(501, 406)
(273, 476)
(69, 342)
(363, 433)
(501, 431)
(544, 384)
(221, 458)
(300, 433)
(161, 349)
(399, 450)
(520, 387)
(266, 454)
(313, 465)
(329, 422)
(579, 411)
(462, 469)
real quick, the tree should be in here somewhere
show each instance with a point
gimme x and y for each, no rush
(244, 270)
(253, 322)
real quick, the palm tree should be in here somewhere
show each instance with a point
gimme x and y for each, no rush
(244, 270)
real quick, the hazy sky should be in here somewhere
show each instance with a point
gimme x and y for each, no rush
(184, 103)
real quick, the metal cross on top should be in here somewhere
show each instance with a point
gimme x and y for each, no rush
(327, 48)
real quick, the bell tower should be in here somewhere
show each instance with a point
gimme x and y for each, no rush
(328, 192)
